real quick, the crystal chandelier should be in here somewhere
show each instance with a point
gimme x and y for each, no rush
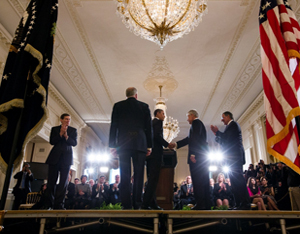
(161, 21)
(170, 125)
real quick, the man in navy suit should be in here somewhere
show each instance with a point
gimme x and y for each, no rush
(63, 138)
(232, 145)
(197, 160)
(131, 137)
(154, 161)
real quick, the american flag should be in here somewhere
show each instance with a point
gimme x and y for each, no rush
(280, 43)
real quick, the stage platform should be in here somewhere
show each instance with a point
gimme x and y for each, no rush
(150, 221)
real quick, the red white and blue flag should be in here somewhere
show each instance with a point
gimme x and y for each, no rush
(280, 43)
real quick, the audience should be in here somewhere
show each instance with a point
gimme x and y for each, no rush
(69, 199)
(114, 195)
(187, 192)
(268, 194)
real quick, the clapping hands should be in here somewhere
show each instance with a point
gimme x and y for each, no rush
(214, 129)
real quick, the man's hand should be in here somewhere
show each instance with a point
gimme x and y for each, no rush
(63, 131)
(81, 193)
(29, 172)
(172, 145)
(214, 129)
(115, 185)
(114, 153)
(193, 159)
(148, 152)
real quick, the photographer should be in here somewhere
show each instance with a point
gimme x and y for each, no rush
(23, 186)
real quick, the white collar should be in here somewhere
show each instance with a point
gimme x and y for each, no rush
(229, 122)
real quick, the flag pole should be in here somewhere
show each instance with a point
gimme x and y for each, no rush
(13, 152)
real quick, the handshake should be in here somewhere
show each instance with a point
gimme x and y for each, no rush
(172, 145)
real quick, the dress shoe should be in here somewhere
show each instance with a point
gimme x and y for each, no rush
(156, 208)
(146, 208)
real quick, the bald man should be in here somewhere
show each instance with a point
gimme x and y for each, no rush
(131, 138)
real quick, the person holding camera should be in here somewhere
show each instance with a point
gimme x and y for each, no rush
(23, 185)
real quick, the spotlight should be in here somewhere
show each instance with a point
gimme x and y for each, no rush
(219, 156)
(211, 156)
(91, 170)
(212, 168)
(104, 169)
(92, 157)
(226, 169)
(105, 157)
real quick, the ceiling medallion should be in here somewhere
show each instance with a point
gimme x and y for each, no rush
(161, 21)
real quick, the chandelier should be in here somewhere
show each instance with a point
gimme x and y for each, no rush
(161, 21)
(170, 125)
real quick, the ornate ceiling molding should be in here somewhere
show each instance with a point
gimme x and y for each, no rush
(5, 36)
(66, 63)
(244, 80)
(229, 55)
(252, 108)
(80, 29)
(55, 94)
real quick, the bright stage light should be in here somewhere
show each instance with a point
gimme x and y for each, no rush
(105, 157)
(215, 156)
(91, 170)
(103, 169)
(212, 168)
(92, 157)
(226, 169)
(219, 156)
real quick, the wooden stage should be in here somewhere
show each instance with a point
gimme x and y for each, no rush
(173, 221)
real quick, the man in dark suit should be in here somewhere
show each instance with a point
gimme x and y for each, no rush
(60, 159)
(114, 194)
(232, 145)
(187, 193)
(70, 194)
(197, 160)
(131, 137)
(100, 193)
(154, 161)
(23, 185)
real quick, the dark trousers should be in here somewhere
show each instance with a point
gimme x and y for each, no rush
(153, 170)
(97, 202)
(55, 193)
(138, 160)
(20, 197)
(200, 180)
(238, 185)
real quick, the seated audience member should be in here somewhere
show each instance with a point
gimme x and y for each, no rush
(100, 193)
(270, 175)
(41, 203)
(251, 171)
(114, 195)
(23, 185)
(76, 181)
(257, 181)
(294, 188)
(187, 192)
(221, 192)
(82, 193)
(91, 183)
(268, 194)
(175, 187)
(231, 199)
(255, 194)
(69, 199)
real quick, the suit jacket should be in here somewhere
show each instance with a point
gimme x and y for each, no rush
(158, 139)
(231, 142)
(62, 147)
(130, 126)
(28, 180)
(114, 196)
(183, 191)
(104, 193)
(70, 191)
(196, 140)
